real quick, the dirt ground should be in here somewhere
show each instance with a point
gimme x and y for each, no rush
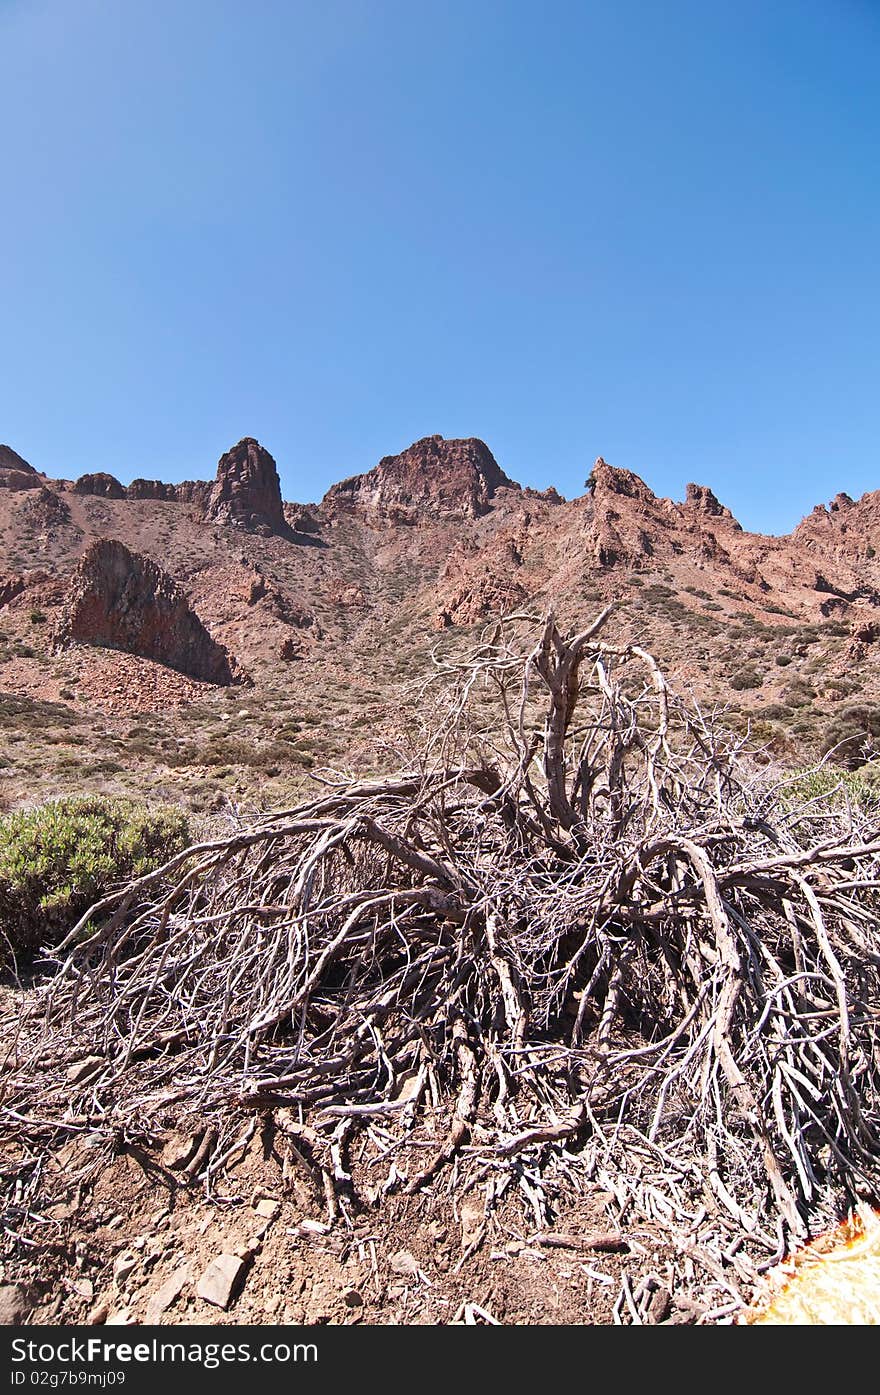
(137, 1246)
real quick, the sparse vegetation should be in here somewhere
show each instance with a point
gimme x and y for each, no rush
(859, 788)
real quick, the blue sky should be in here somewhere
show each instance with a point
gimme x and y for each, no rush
(644, 230)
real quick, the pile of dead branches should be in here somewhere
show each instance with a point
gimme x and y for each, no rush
(581, 932)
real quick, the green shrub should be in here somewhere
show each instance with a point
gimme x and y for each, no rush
(58, 858)
(859, 787)
(852, 737)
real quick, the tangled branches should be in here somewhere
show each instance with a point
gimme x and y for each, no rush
(578, 931)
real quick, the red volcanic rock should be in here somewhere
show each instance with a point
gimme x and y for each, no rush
(605, 479)
(433, 477)
(15, 479)
(101, 484)
(16, 473)
(257, 589)
(301, 519)
(11, 460)
(868, 632)
(840, 501)
(548, 495)
(623, 516)
(247, 491)
(150, 489)
(121, 600)
(46, 509)
(192, 492)
(10, 587)
(188, 492)
(701, 498)
(479, 599)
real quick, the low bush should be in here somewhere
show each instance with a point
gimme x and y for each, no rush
(776, 712)
(58, 858)
(852, 737)
(745, 678)
(860, 788)
(799, 691)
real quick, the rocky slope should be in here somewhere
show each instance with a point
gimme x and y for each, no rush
(334, 606)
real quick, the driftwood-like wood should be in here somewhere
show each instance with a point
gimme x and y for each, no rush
(582, 925)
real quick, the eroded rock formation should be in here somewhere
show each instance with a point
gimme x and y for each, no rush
(432, 478)
(120, 600)
(102, 485)
(247, 491)
(15, 472)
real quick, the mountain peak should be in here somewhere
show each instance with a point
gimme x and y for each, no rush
(247, 491)
(434, 476)
(11, 460)
(611, 479)
(701, 498)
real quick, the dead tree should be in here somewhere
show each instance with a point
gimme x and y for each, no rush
(580, 923)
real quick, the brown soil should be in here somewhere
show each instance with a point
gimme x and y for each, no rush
(105, 1255)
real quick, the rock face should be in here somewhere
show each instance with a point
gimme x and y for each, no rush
(11, 460)
(151, 489)
(10, 587)
(434, 477)
(101, 484)
(121, 600)
(605, 480)
(300, 519)
(701, 498)
(16, 473)
(187, 492)
(247, 492)
(195, 492)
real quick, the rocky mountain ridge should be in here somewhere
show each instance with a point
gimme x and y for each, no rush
(337, 604)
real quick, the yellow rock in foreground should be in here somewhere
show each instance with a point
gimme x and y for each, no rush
(833, 1281)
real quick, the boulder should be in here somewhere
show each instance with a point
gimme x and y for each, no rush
(102, 485)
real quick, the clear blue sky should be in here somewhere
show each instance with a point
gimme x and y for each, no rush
(644, 230)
